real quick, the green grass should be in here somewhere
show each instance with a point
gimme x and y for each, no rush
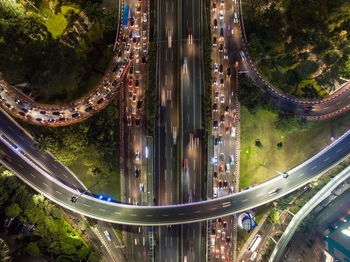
(56, 24)
(297, 146)
(111, 189)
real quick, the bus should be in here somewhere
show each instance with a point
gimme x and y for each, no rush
(126, 14)
(255, 243)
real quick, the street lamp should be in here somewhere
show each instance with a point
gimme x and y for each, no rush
(75, 198)
(284, 174)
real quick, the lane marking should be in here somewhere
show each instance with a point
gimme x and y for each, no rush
(46, 184)
(20, 165)
(103, 210)
(44, 156)
(54, 166)
(32, 175)
(86, 205)
(314, 167)
(197, 211)
(301, 175)
(325, 159)
(58, 192)
(338, 150)
(133, 215)
(244, 200)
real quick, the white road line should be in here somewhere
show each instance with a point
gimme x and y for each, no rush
(32, 175)
(54, 166)
(45, 184)
(44, 156)
(301, 175)
(214, 208)
(103, 210)
(188, 100)
(20, 165)
(197, 211)
(325, 159)
(244, 200)
(32, 146)
(194, 164)
(133, 215)
(65, 175)
(58, 192)
(10, 127)
(314, 167)
(86, 205)
(338, 150)
(118, 213)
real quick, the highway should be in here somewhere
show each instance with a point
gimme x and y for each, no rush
(22, 139)
(167, 123)
(61, 194)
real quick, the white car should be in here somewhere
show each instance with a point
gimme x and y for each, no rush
(107, 235)
(233, 131)
(221, 14)
(216, 67)
(137, 156)
(144, 17)
(185, 65)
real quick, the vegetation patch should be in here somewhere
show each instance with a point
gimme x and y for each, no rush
(297, 41)
(55, 46)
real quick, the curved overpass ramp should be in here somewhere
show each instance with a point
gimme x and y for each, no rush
(90, 206)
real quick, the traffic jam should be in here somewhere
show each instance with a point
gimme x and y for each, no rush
(224, 108)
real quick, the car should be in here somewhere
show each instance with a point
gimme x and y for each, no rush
(215, 107)
(233, 131)
(131, 56)
(285, 175)
(221, 14)
(275, 191)
(221, 48)
(307, 108)
(215, 80)
(131, 70)
(235, 18)
(130, 82)
(137, 83)
(225, 186)
(222, 157)
(227, 110)
(132, 21)
(222, 249)
(221, 82)
(220, 183)
(88, 109)
(218, 234)
(115, 83)
(228, 74)
(130, 94)
(76, 114)
(86, 103)
(43, 112)
(215, 124)
(137, 171)
(133, 110)
(8, 222)
(143, 60)
(215, 141)
(225, 54)
(7, 159)
(227, 168)
(144, 17)
(138, 8)
(22, 113)
(231, 189)
(215, 41)
(100, 101)
(139, 104)
(222, 118)
(137, 156)
(232, 160)
(221, 69)
(221, 168)
(137, 121)
(128, 47)
(220, 139)
(141, 187)
(222, 99)
(136, 23)
(221, 33)
(185, 65)
(215, 23)
(243, 55)
(38, 119)
(223, 235)
(215, 160)
(62, 119)
(216, 67)
(217, 95)
(128, 120)
(107, 235)
(144, 34)
(222, 2)
(214, 7)
(215, 174)
(24, 110)
(50, 120)
(217, 253)
(18, 102)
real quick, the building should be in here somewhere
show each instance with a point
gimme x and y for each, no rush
(246, 221)
(338, 241)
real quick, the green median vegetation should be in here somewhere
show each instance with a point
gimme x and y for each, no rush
(53, 237)
(300, 139)
(59, 50)
(301, 47)
(89, 148)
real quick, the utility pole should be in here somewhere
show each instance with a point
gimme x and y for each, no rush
(284, 174)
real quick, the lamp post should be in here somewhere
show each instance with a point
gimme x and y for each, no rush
(284, 174)
(75, 198)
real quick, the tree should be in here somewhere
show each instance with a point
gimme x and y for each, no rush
(258, 143)
(33, 249)
(13, 210)
(93, 12)
(279, 146)
(94, 257)
(273, 217)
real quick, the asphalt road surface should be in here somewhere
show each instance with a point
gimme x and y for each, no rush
(90, 206)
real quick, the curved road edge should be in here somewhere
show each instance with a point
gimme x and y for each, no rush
(304, 211)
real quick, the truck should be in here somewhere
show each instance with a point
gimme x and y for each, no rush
(126, 14)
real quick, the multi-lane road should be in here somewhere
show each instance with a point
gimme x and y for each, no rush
(90, 206)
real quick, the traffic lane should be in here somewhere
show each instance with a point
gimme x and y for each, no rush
(128, 214)
(27, 144)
